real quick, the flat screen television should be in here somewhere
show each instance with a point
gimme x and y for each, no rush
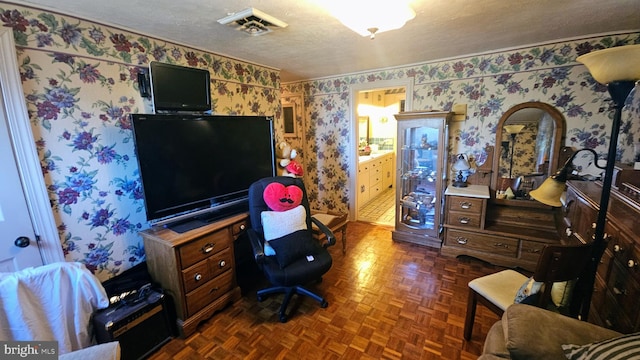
(195, 169)
(177, 88)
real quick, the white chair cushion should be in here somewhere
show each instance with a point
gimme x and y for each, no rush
(499, 288)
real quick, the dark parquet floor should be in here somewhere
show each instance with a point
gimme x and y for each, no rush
(387, 300)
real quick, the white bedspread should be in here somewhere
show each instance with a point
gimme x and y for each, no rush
(50, 302)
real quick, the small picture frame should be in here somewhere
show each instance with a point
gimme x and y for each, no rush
(291, 115)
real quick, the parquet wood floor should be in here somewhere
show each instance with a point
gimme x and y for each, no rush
(387, 300)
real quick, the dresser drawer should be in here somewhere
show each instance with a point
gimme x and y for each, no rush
(466, 219)
(613, 317)
(531, 250)
(208, 292)
(201, 248)
(465, 204)
(481, 242)
(239, 227)
(625, 290)
(206, 270)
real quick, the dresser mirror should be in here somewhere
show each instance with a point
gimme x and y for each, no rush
(528, 141)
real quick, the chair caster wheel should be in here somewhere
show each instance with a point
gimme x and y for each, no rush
(260, 298)
(324, 304)
(283, 318)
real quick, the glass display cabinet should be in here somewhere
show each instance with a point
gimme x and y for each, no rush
(421, 176)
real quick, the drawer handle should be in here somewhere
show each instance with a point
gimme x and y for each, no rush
(214, 290)
(198, 277)
(617, 248)
(464, 220)
(208, 247)
(465, 205)
(533, 251)
(242, 227)
(619, 292)
(501, 245)
(631, 264)
(462, 240)
(222, 264)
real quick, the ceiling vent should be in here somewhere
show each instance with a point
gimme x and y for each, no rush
(253, 22)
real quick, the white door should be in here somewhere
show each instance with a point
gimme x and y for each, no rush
(18, 246)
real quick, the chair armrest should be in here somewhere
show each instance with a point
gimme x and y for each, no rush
(331, 238)
(256, 245)
(534, 333)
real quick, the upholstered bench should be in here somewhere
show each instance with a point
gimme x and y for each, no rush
(336, 222)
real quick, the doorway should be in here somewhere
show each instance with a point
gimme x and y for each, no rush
(44, 244)
(375, 136)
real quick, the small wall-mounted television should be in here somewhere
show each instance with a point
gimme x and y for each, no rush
(177, 88)
(195, 169)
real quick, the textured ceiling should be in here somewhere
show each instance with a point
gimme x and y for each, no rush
(316, 45)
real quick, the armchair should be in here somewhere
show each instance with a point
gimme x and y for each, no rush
(282, 241)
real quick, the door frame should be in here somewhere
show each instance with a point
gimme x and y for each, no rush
(27, 160)
(354, 89)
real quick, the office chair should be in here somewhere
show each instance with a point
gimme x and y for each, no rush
(282, 241)
(557, 263)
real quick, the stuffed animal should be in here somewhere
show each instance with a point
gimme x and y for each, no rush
(285, 156)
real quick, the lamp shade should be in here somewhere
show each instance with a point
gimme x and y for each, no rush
(513, 129)
(613, 64)
(549, 192)
(461, 163)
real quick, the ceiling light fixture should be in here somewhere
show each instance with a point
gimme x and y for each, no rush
(370, 18)
(252, 21)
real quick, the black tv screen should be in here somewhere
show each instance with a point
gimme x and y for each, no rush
(192, 164)
(179, 88)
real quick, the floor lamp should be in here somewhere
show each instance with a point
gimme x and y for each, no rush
(619, 69)
(513, 130)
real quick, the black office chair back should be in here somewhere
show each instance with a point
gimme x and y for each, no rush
(257, 204)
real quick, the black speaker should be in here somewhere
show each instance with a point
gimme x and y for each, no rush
(144, 85)
(141, 324)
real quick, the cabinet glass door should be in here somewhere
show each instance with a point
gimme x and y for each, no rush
(419, 203)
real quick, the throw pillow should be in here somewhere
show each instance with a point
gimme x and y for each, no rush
(281, 198)
(276, 224)
(294, 246)
(561, 293)
(529, 292)
(625, 347)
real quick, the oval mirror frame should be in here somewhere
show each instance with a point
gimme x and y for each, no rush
(556, 141)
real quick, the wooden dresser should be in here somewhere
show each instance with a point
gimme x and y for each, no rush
(614, 303)
(510, 234)
(196, 268)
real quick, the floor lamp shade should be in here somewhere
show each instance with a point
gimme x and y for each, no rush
(620, 63)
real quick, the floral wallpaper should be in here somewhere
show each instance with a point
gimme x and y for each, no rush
(489, 84)
(80, 84)
(79, 79)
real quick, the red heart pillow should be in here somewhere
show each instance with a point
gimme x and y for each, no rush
(281, 198)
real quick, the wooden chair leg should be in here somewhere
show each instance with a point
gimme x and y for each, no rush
(344, 239)
(472, 302)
